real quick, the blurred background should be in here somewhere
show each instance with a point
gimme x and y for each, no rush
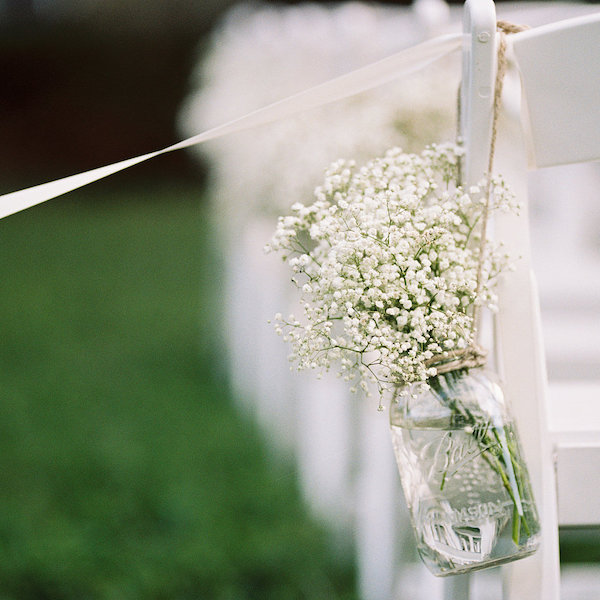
(152, 444)
(125, 470)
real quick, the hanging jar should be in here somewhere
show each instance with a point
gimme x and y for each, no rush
(464, 479)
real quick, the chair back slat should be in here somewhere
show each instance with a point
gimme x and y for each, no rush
(560, 69)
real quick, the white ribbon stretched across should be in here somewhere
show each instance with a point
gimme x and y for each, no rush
(373, 75)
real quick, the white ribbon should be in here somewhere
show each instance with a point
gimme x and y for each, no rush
(373, 75)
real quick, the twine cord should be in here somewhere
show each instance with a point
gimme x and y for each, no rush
(473, 356)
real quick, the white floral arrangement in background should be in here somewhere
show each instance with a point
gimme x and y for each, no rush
(387, 259)
(262, 54)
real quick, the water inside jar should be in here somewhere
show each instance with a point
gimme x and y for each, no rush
(464, 494)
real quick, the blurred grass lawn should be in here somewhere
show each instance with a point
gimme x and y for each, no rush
(126, 473)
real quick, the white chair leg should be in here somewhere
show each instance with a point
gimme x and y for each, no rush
(376, 496)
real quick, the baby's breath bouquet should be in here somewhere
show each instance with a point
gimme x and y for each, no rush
(394, 266)
(387, 259)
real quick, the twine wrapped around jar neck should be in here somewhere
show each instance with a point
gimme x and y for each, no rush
(471, 357)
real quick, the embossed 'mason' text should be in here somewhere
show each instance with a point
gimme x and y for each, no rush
(477, 512)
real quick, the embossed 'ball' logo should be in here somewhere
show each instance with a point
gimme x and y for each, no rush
(455, 451)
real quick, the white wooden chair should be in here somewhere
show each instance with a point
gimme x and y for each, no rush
(554, 101)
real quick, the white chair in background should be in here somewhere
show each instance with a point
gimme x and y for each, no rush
(346, 468)
(560, 70)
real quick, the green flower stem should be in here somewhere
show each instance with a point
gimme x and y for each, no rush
(516, 525)
(518, 473)
(498, 466)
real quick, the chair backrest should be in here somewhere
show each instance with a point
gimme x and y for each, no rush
(561, 78)
(554, 99)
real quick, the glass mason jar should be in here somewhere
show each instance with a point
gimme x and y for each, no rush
(463, 475)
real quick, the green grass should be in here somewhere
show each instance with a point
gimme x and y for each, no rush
(125, 470)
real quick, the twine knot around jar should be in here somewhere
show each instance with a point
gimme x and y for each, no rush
(466, 358)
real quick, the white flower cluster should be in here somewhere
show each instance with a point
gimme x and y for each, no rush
(387, 260)
(263, 53)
